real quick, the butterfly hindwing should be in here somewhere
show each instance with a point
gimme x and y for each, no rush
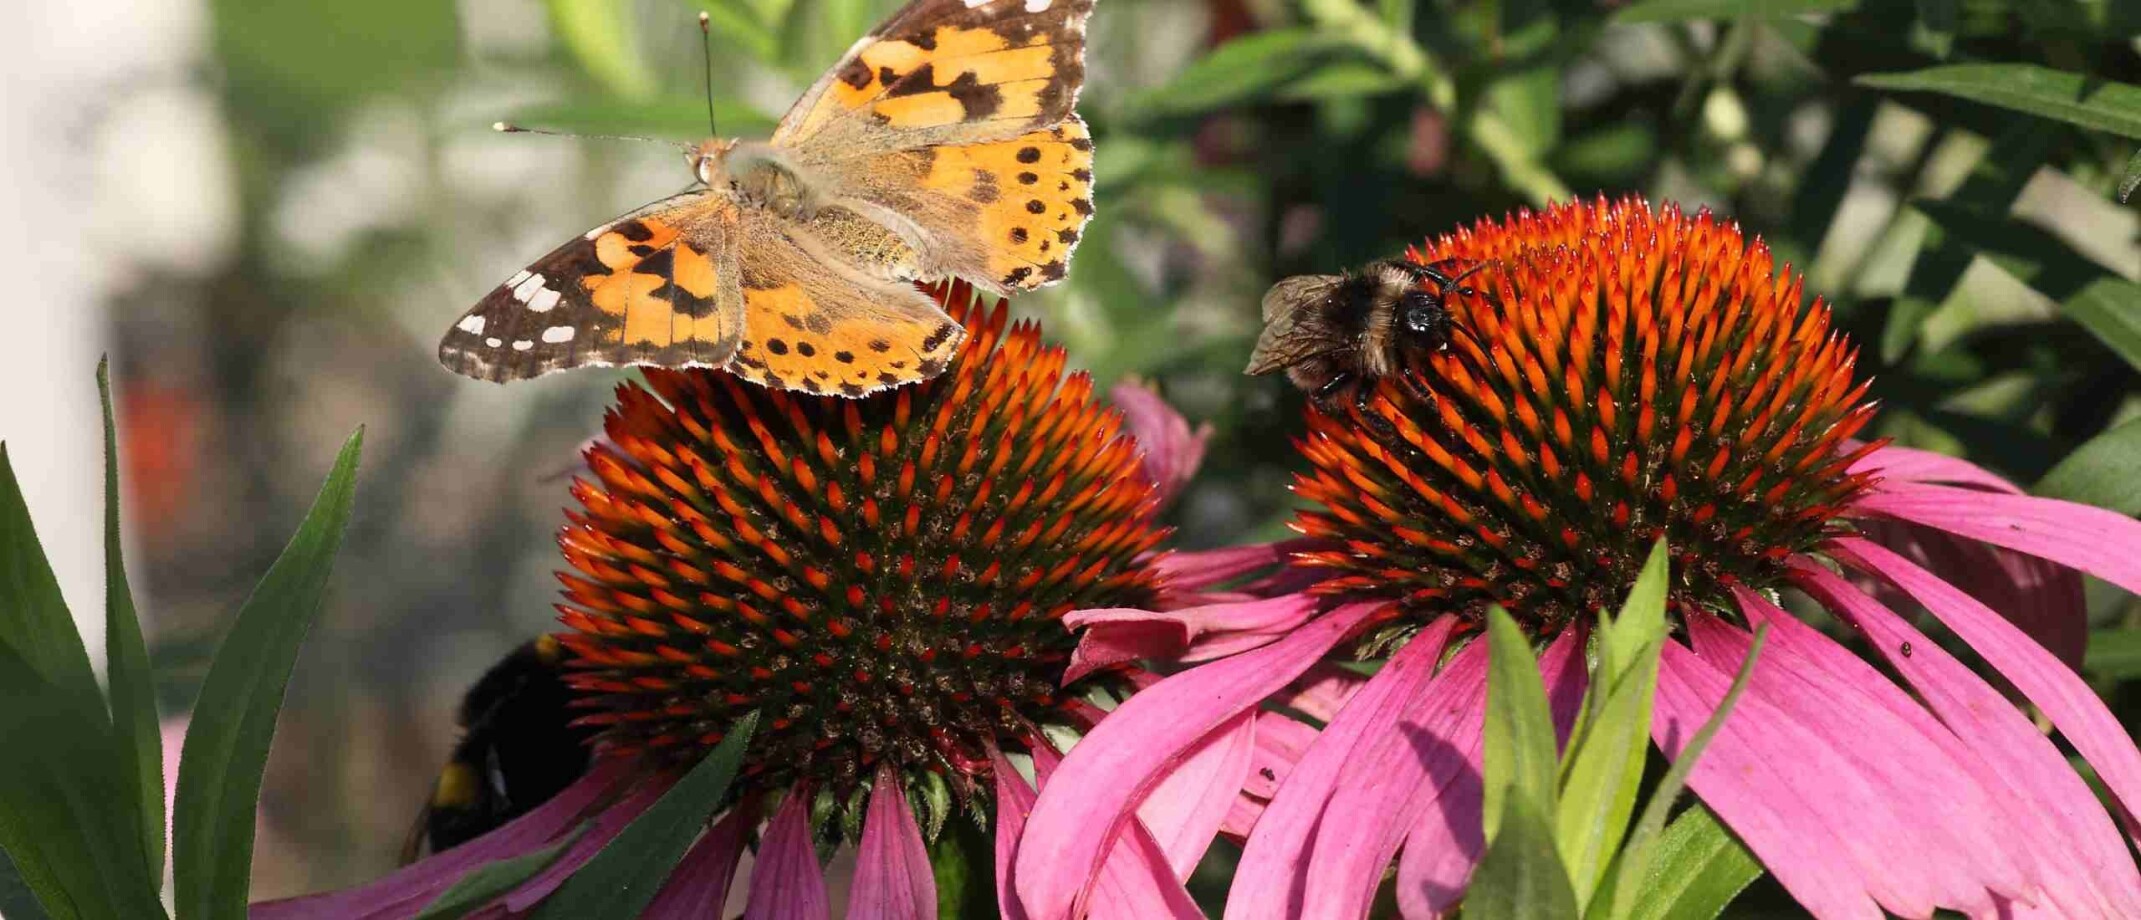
(658, 286)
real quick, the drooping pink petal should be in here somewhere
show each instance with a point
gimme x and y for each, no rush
(2082, 862)
(607, 826)
(1171, 450)
(2088, 538)
(404, 892)
(2077, 711)
(1185, 810)
(1447, 840)
(1110, 773)
(2041, 597)
(1273, 877)
(1114, 635)
(1906, 464)
(786, 882)
(1014, 803)
(1322, 691)
(1281, 742)
(700, 883)
(1746, 775)
(893, 879)
(1929, 807)
(1134, 883)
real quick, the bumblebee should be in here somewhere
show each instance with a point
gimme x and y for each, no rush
(1332, 332)
(518, 748)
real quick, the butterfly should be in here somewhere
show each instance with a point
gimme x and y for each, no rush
(945, 143)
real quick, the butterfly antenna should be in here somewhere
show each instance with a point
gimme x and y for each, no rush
(706, 49)
(507, 127)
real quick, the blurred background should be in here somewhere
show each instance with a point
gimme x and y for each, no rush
(267, 213)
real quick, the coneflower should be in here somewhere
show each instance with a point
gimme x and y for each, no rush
(1633, 375)
(883, 580)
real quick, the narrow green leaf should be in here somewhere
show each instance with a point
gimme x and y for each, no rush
(2114, 654)
(1520, 756)
(1683, 10)
(622, 879)
(2103, 303)
(133, 686)
(67, 814)
(1243, 70)
(2077, 99)
(1636, 856)
(486, 882)
(234, 718)
(1697, 868)
(1521, 875)
(1605, 756)
(2105, 472)
(963, 859)
(2133, 176)
(599, 35)
(2110, 308)
(33, 614)
(17, 901)
(1821, 188)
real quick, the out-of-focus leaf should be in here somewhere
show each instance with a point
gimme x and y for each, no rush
(1935, 28)
(290, 58)
(1521, 875)
(234, 720)
(1697, 868)
(737, 24)
(2133, 176)
(1620, 897)
(489, 880)
(1529, 101)
(1246, 69)
(599, 35)
(2114, 654)
(1991, 188)
(963, 858)
(2105, 472)
(1821, 188)
(1615, 151)
(679, 117)
(622, 880)
(133, 686)
(1519, 759)
(2110, 308)
(33, 614)
(67, 812)
(1604, 763)
(2077, 99)
(1682, 10)
(2103, 303)
(1341, 79)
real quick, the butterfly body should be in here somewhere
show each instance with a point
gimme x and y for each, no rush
(944, 145)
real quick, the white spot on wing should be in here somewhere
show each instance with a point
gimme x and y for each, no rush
(527, 287)
(598, 231)
(970, 4)
(556, 335)
(473, 325)
(518, 278)
(544, 300)
(523, 345)
(1035, 6)
(494, 343)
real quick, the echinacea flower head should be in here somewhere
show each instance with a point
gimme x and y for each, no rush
(881, 579)
(1625, 375)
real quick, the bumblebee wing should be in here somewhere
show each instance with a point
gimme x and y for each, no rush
(1294, 328)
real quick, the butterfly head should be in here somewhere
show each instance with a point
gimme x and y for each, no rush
(706, 160)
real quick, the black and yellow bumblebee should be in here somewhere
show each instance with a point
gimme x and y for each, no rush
(518, 748)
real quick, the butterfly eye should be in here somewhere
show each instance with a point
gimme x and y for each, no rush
(702, 167)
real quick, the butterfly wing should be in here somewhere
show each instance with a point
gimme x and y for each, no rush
(657, 286)
(818, 325)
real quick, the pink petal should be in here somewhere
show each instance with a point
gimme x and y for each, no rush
(787, 882)
(1280, 744)
(1135, 881)
(1110, 773)
(1322, 692)
(1907, 464)
(2041, 597)
(892, 874)
(2088, 538)
(699, 885)
(1118, 634)
(1184, 570)
(1747, 775)
(1014, 803)
(1447, 841)
(1273, 878)
(2091, 873)
(606, 827)
(1185, 810)
(1931, 810)
(1171, 450)
(2076, 710)
(404, 892)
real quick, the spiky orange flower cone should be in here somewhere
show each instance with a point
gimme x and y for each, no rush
(1625, 375)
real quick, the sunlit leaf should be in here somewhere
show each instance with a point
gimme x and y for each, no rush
(2105, 472)
(1697, 868)
(599, 35)
(2088, 101)
(1521, 874)
(1604, 763)
(1682, 10)
(1519, 756)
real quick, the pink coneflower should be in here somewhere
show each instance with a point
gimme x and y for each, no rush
(1634, 374)
(882, 580)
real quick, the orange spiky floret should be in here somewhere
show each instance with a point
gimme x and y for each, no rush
(1627, 374)
(881, 577)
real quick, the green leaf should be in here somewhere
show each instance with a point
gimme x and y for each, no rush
(1606, 750)
(133, 685)
(2114, 654)
(1520, 755)
(2110, 308)
(2077, 99)
(234, 719)
(1246, 69)
(1935, 29)
(623, 879)
(2133, 176)
(2103, 303)
(17, 901)
(33, 614)
(2105, 472)
(1683, 10)
(735, 23)
(1636, 857)
(1697, 868)
(486, 882)
(1522, 874)
(963, 858)
(599, 35)
(67, 814)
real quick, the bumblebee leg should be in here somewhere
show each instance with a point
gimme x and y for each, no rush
(1326, 395)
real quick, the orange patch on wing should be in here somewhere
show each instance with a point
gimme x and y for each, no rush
(1042, 199)
(968, 56)
(790, 342)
